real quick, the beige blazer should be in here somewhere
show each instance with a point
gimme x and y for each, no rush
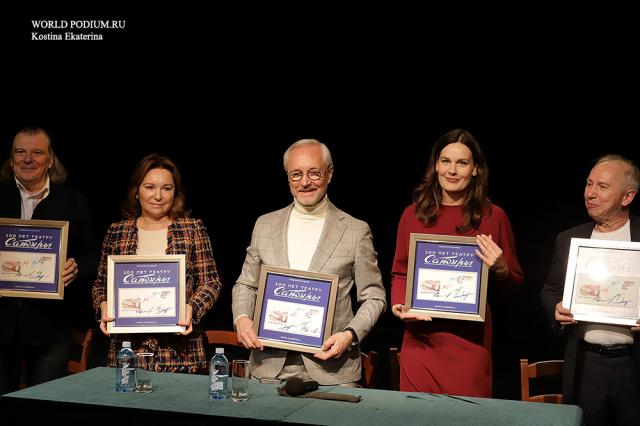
(346, 249)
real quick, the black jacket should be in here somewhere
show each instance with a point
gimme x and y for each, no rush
(44, 321)
(552, 293)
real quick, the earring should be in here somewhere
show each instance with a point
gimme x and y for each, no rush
(136, 196)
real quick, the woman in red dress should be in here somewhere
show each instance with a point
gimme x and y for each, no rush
(443, 355)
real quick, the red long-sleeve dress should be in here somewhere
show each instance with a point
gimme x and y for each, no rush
(449, 356)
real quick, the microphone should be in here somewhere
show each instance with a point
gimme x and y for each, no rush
(296, 386)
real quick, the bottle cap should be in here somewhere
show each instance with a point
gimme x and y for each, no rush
(219, 350)
(126, 344)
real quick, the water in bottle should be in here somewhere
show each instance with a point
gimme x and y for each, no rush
(126, 369)
(219, 375)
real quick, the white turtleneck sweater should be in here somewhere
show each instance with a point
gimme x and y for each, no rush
(303, 232)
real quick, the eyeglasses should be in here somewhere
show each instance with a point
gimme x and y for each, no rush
(313, 174)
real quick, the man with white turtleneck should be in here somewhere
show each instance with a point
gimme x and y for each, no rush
(311, 234)
(602, 361)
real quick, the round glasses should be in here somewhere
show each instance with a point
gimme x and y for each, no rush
(312, 174)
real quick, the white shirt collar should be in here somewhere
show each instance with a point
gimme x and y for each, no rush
(38, 194)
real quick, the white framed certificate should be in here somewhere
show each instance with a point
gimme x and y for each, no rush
(603, 281)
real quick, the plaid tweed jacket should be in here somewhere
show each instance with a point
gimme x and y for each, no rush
(185, 236)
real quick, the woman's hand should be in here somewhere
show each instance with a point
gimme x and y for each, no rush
(401, 311)
(104, 319)
(188, 321)
(491, 254)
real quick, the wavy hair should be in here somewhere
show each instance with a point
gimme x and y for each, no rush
(428, 194)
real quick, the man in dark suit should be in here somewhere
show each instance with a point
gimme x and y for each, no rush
(36, 332)
(602, 361)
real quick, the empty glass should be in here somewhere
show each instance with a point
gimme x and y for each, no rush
(240, 380)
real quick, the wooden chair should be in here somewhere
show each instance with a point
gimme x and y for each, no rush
(394, 368)
(369, 370)
(80, 350)
(221, 337)
(540, 369)
(227, 340)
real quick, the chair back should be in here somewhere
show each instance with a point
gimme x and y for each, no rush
(80, 350)
(369, 369)
(536, 370)
(225, 339)
(394, 368)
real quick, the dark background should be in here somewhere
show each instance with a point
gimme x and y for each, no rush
(224, 93)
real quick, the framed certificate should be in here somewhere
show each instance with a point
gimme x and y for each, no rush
(146, 294)
(32, 258)
(603, 281)
(294, 309)
(446, 278)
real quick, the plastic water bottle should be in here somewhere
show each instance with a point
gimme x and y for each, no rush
(126, 369)
(219, 375)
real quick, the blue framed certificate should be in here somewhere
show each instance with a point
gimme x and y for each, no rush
(603, 281)
(294, 309)
(32, 258)
(446, 278)
(146, 294)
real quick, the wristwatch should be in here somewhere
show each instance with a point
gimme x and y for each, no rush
(355, 342)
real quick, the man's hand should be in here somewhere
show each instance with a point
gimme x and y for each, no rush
(246, 336)
(636, 328)
(564, 315)
(335, 346)
(70, 271)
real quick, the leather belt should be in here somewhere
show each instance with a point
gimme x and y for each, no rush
(608, 351)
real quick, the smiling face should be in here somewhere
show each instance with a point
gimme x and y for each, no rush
(455, 168)
(156, 194)
(31, 159)
(305, 159)
(607, 193)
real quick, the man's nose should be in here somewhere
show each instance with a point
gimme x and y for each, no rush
(590, 193)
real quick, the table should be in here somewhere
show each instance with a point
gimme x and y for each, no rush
(90, 398)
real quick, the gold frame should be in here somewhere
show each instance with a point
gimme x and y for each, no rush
(63, 227)
(331, 306)
(111, 308)
(481, 286)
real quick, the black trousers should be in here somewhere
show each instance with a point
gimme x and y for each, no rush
(608, 390)
(36, 364)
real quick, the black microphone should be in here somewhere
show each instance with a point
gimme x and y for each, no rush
(296, 386)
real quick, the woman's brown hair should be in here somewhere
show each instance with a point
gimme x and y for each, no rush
(428, 194)
(131, 205)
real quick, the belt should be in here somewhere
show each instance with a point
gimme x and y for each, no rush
(608, 351)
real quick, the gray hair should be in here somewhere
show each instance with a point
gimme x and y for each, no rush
(631, 172)
(326, 154)
(57, 172)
